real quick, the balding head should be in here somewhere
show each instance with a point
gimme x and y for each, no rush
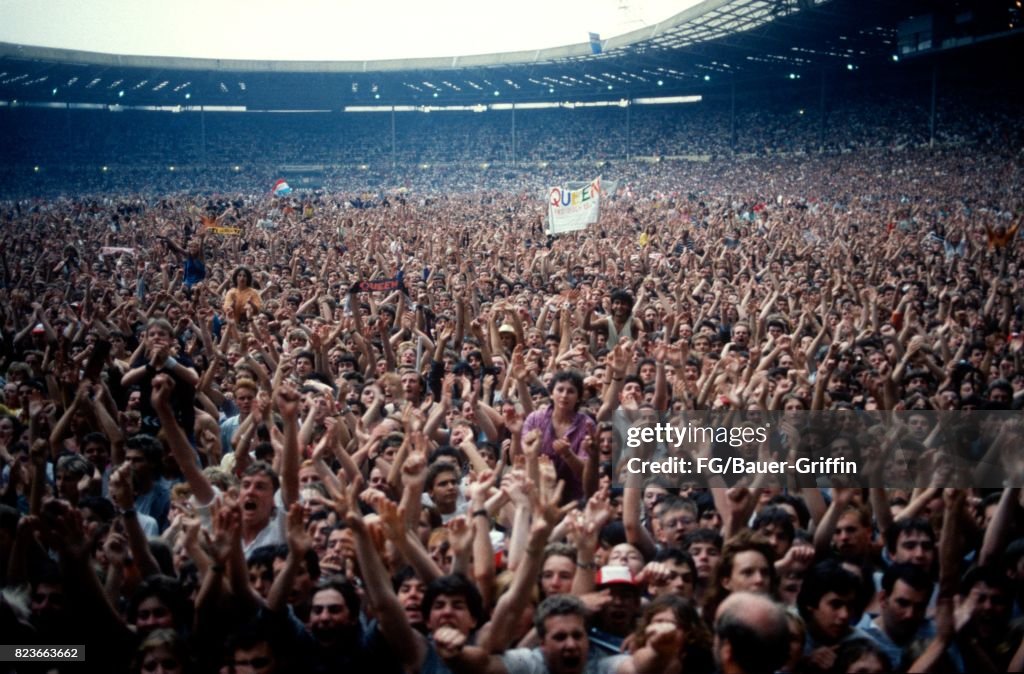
(751, 634)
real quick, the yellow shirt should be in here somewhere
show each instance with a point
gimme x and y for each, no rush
(237, 299)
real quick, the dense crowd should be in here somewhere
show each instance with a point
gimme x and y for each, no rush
(763, 123)
(251, 434)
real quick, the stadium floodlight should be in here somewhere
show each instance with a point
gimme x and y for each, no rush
(104, 169)
(609, 87)
(661, 82)
(850, 66)
(667, 99)
(170, 168)
(120, 94)
(188, 96)
(35, 169)
(435, 94)
(526, 106)
(551, 90)
(376, 95)
(55, 91)
(707, 78)
(237, 169)
(895, 58)
(497, 93)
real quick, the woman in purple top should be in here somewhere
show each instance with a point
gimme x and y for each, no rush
(563, 429)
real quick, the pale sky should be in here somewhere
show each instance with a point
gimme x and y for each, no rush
(321, 29)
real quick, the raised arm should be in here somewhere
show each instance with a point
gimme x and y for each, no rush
(512, 604)
(123, 496)
(483, 550)
(299, 543)
(621, 357)
(587, 528)
(636, 533)
(841, 498)
(178, 443)
(409, 645)
(998, 531)
(287, 399)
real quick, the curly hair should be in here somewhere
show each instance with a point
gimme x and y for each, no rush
(697, 637)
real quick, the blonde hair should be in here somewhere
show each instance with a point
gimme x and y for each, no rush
(247, 383)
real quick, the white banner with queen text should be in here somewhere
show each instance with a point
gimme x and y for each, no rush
(571, 210)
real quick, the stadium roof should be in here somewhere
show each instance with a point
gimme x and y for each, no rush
(704, 46)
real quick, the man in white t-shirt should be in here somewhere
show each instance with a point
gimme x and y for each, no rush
(264, 498)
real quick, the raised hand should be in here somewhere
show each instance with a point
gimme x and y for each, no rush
(460, 534)
(518, 368)
(513, 420)
(65, 530)
(414, 470)
(622, 356)
(163, 387)
(392, 518)
(120, 486)
(548, 474)
(287, 399)
(531, 443)
(299, 540)
(598, 510)
(518, 488)
(115, 549)
(159, 350)
(562, 447)
(546, 505)
(227, 530)
(665, 638)
(449, 642)
(481, 485)
(798, 556)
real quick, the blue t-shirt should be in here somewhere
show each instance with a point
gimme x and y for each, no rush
(193, 270)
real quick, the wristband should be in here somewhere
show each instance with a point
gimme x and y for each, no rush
(482, 513)
(592, 566)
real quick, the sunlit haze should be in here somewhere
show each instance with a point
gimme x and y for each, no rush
(321, 29)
